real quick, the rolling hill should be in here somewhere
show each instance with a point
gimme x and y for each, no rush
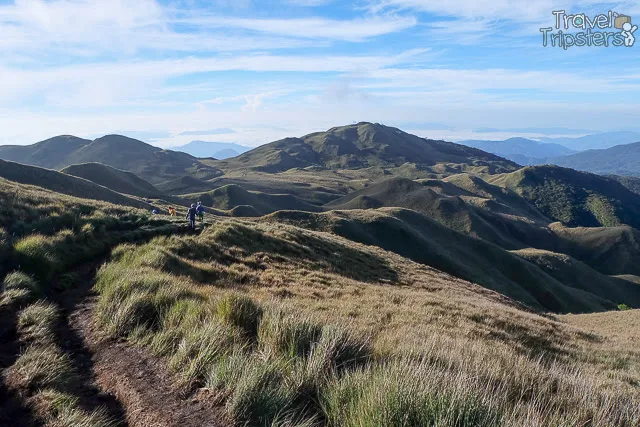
(115, 179)
(65, 184)
(246, 203)
(417, 237)
(358, 146)
(574, 198)
(151, 163)
(618, 160)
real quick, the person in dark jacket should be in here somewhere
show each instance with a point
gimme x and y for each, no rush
(191, 216)
(200, 211)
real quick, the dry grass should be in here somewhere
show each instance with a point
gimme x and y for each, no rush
(411, 342)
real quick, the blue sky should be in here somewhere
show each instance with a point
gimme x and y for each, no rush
(172, 71)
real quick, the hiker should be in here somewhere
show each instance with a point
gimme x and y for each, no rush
(155, 212)
(191, 216)
(200, 211)
(172, 211)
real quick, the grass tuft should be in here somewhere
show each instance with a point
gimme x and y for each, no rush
(42, 367)
(240, 311)
(36, 323)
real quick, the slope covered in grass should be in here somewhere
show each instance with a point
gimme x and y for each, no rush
(286, 325)
(115, 179)
(232, 196)
(574, 198)
(423, 240)
(360, 146)
(65, 184)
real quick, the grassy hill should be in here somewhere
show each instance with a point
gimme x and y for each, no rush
(423, 240)
(65, 184)
(465, 204)
(618, 160)
(574, 198)
(361, 146)
(232, 196)
(272, 323)
(115, 179)
(151, 163)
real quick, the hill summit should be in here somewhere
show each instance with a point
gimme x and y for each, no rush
(363, 145)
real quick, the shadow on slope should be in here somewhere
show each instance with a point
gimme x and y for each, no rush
(576, 274)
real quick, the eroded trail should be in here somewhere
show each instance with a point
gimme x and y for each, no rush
(140, 381)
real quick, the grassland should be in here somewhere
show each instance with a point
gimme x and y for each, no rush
(289, 321)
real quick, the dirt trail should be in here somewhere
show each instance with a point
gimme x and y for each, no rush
(141, 382)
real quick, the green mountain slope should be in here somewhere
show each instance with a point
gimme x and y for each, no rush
(421, 239)
(361, 146)
(115, 179)
(230, 197)
(574, 198)
(151, 163)
(65, 184)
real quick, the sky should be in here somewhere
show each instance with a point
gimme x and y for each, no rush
(250, 72)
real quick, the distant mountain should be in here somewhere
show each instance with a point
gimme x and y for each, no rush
(596, 141)
(574, 198)
(216, 150)
(115, 179)
(151, 163)
(618, 160)
(520, 150)
(362, 145)
(65, 184)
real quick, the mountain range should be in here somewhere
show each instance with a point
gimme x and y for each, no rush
(432, 201)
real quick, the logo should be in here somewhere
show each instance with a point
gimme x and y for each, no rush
(593, 30)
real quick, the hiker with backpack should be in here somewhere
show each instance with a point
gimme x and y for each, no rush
(200, 211)
(191, 216)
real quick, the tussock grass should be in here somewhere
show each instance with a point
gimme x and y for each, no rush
(42, 367)
(36, 322)
(64, 410)
(241, 312)
(19, 288)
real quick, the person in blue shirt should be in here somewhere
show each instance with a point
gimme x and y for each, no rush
(200, 211)
(191, 216)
